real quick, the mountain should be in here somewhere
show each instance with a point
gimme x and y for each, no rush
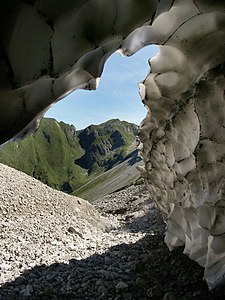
(66, 159)
(106, 144)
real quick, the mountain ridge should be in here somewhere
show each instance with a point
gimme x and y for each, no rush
(66, 159)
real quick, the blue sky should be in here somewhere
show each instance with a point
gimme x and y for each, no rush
(116, 97)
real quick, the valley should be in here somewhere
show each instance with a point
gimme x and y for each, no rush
(78, 161)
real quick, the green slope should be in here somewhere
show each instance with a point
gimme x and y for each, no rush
(48, 155)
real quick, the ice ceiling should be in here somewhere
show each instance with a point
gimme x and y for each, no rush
(49, 48)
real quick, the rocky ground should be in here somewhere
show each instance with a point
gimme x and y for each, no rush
(53, 246)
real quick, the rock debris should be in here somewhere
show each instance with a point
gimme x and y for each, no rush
(55, 247)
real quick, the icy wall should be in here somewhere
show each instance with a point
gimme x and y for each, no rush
(49, 48)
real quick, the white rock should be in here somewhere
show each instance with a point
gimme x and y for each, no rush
(5, 267)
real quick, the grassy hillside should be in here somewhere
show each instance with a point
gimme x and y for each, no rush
(65, 159)
(48, 155)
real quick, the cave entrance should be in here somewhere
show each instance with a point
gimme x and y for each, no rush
(70, 154)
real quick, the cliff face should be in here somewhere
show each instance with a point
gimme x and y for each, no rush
(48, 50)
(106, 145)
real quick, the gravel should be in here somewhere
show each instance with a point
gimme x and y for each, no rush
(54, 246)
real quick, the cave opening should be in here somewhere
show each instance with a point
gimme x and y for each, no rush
(182, 136)
(69, 153)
